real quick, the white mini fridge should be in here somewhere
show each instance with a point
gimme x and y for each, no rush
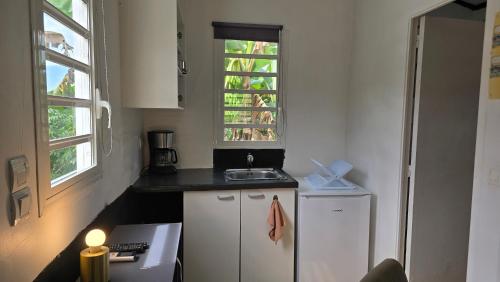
(333, 234)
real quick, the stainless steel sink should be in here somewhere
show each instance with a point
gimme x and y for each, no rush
(253, 174)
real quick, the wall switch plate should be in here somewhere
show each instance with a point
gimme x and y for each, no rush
(494, 177)
(20, 193)
(18, 173)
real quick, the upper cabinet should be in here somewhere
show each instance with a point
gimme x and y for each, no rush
(152, 48)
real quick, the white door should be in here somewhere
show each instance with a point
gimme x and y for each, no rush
(211, 236)
(333, 238)
(261, 259)
(444, 133)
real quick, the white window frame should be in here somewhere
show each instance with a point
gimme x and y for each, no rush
(219, 73)
(46, 192)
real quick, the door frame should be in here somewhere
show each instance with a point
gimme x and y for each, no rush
(405, 195)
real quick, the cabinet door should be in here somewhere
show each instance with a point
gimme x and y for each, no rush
(262, 259)
(211, 236)
(148, 49)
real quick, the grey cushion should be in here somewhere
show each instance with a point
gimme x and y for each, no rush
(387, 271)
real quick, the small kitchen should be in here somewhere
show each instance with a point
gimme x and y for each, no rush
(232, 140)
(230, 202)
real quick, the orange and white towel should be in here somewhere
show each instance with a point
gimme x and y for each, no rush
(276, 220)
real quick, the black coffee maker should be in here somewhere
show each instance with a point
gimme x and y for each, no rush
(162, 156)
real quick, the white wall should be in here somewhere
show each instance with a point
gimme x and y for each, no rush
(484, 243)
(317, 47)
(375, 109)
(27, 248)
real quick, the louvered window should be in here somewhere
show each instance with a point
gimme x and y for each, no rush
(64, 96)
(249, 99)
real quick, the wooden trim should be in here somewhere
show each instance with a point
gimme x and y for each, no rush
(253, 125)
(66, 61)
(251, 56)
(254, 109)
(407, 132)
(241, 91)
(68, 101)
(251, 74)
(70, 141)
(40, 105)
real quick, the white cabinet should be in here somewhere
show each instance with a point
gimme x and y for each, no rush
(211, 236)
(261, 258)
(149, 54)
(226, 236)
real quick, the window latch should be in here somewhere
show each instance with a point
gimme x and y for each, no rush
(100, 104)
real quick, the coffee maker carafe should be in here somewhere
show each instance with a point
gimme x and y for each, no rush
(162, 155)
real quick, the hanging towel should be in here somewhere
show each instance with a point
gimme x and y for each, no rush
(276, 220)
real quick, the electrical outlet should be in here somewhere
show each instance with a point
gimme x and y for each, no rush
(494, 177)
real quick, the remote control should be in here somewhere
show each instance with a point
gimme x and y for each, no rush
(129, 247)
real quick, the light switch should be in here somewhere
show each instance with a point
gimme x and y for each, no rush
(20, 205)
(24, 206)
(18, 173)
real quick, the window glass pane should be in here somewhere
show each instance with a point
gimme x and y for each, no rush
(265, 100)
(249, 117)
(249, 82)
(69, 161)
(251, 65)
(250, 47)
(62, 39)
(237, 117)
(266, 117)
(249, 134)
(68, 121)
(75, 9)
(67, 82)
(237, 100)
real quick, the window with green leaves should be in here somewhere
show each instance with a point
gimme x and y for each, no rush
(64, 89)
(249, 102)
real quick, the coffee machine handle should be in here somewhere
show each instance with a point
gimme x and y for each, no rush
(174, 156)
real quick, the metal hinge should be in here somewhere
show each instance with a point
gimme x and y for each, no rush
(408, 172)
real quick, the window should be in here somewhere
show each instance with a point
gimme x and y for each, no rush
(248, 110)
(64, 83)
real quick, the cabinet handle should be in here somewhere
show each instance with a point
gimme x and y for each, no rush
(256, 196)
(225, 197)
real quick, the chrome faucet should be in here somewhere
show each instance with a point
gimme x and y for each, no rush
(249, 160)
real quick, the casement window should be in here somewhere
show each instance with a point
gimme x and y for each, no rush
(248, 110)
(64, 96)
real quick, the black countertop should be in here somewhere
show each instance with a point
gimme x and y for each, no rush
(203, 179)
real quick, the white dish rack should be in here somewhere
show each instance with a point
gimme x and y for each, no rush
(330, 177)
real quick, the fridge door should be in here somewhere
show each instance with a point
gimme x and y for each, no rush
(333, 238)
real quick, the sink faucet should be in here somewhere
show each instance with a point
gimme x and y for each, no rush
(249, 160)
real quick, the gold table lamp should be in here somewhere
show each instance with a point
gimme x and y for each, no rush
(94, 260)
